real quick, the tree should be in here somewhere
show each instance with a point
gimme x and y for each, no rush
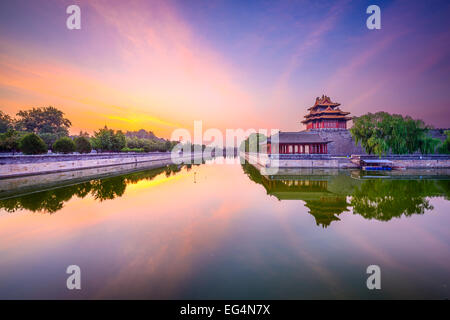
(168, 146)
(118, 141)
(6, 122)
(82, 145)
(382, 132)
(445, 146)
(32, 144)
(64, 145)
(107, 140)
(102, 139)
(50, 138)
(43, 120)
(9, 141)
(253, 142)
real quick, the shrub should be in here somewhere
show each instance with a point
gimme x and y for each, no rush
(64, 145)
(82, 145)
(9, 141)
(32, 144)
(132, 149)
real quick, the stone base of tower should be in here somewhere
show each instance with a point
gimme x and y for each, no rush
(341, 143)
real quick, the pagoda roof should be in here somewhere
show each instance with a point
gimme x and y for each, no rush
(336, 111)
(324, 101)
(338, 117)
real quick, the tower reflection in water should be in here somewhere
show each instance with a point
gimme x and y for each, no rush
(329, 193)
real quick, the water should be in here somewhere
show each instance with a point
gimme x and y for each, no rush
(224, 231)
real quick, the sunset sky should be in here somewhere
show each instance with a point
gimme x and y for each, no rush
(160, 65)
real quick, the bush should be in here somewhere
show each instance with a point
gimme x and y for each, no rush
(82, 145)
(32, 144)
(132, 149)
(64, 145)
(9, 141)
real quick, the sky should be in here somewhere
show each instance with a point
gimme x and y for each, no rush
(160, 65)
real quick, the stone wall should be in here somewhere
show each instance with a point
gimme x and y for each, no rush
(30, 165)
(270, 165)
(328, 161)
(341, 143)
(29, 183)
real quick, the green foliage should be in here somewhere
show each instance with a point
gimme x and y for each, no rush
(126, 149)
(9, 141)
(253, 142)
(6, 122)
(50, 138)
(118, 141)
(64, 145)
(108, 140)
(141, 134)
(82, 144)
(382, 132)
(43, 120)
(445, 146)
(149, 145)
(32, 144)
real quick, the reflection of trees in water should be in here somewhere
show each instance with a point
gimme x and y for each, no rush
(386, 199)
(372, 198)
(103, 189)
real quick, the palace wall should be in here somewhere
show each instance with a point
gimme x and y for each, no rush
(15, 166)
(342, 142)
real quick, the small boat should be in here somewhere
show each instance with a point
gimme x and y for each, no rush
(376, 164)
(376, 168)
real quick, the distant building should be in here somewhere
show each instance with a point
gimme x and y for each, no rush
(325, 114)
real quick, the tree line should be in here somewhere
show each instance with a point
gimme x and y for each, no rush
(383, 133)
(38, 130)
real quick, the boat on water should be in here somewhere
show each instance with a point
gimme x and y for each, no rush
(376, 164)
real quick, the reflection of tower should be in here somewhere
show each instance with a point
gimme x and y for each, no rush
(323, 204)
(325, 210)
(195, 175)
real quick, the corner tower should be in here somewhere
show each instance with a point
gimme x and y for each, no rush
(325, 114)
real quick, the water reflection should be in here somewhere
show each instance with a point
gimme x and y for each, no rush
(329, 194)
(51, 201)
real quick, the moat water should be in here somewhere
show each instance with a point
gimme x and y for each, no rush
(216, 231)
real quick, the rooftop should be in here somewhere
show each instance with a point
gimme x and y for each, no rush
(297, 137)
(324, 101)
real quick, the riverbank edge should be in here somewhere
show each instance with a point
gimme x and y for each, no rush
(272, 164)
(20, 166)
